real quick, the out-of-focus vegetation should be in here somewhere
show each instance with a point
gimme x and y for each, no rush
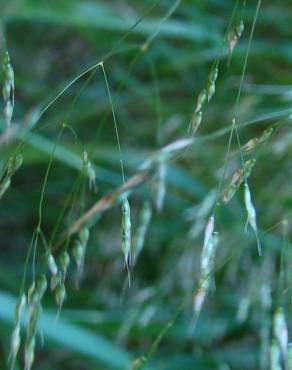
(157, 56)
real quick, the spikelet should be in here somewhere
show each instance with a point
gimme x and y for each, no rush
(8, 88)
(211, 83)
(126, 234)
(12, 166)
(35, 295)
(52, 264)
(266, 135)
(78, 253)
(56, 280)
(159, 185)
(251, 215)
(15, 337)
(202, 98)
(206, 266)
(64, 260)
(237, 179)
(60, 295)
(90, 172)
(143, 223)
(196, 121)
(233, 36)
(281, 332)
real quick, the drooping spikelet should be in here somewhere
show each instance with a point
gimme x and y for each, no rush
(126, 233)
(15, 337)
(251, 215)
(206, 267)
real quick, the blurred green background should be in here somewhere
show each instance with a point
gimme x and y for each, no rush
(157, 56)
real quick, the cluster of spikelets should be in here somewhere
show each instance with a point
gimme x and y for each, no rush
(8, 88)
(280, 353)
(32, 300)
(8, 171)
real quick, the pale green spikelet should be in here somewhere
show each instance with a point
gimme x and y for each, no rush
(251, 215)
(126, 231)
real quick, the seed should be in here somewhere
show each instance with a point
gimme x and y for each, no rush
(251, 215)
